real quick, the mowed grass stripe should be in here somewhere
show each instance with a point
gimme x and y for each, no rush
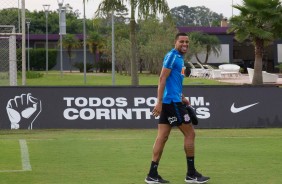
(10, 156)
(55, 134)
(24, 158)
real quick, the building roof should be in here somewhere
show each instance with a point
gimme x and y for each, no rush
(208, 30)
(51, 37)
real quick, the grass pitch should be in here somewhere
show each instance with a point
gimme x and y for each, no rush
(233, 156)
(53, 78)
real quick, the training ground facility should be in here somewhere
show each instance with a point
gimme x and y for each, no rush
(130, 107)
(116, 107)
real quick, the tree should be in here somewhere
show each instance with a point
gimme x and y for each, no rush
(122, 45)
(155, 39)
(122, 54)
(9, 16)
(70, 42)
(95, 43)
(259, 22)
(195, 16)
(144, 8)
(200, 42)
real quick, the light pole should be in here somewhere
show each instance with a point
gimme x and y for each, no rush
(113, 49)
(28, 21)
(113, 45)
(46, 9)
(60, 3)
(84, 43)
(19, 17)
(232, 7)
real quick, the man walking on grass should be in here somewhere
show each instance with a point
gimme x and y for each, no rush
(172, 111)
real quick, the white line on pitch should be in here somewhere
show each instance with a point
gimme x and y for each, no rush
(25, 155)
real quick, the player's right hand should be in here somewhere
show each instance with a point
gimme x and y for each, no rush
(157, 110)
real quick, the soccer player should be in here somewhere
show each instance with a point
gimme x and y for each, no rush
(171, 109)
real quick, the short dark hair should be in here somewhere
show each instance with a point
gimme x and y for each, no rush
(180, 34)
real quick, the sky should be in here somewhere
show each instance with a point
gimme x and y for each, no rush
(218, 6)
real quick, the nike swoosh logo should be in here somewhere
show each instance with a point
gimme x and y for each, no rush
(194, 179)
(239, 109)
(156, 180)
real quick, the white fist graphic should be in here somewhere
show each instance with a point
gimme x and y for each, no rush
(23, 110)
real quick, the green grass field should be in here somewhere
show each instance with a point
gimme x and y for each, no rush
(54, 78)
(233, 156)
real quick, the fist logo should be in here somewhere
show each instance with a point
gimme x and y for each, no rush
(23, 110)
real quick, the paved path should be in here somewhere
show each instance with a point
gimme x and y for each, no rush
(244, 79)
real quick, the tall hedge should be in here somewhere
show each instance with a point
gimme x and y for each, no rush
(37, 59)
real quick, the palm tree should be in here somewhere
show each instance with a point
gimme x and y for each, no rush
(144, 8)
(70, 42)
(95, 42)
(259, 22)
(201, 42)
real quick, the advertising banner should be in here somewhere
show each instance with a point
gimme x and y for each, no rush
(130, 107)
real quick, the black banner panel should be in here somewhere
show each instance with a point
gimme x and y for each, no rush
(130, 107)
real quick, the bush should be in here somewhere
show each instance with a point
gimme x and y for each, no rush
(37, 58)
(31, 75)
(103, 66)
(80, 66)
(279, 67)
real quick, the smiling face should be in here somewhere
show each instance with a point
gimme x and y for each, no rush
(182, 44)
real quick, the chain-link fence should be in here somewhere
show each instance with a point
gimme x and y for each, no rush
(10, 41)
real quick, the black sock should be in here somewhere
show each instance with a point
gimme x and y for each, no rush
(153, 169)
(190, 166)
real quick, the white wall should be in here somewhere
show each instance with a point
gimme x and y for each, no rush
(279, 51)
(223, 57)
